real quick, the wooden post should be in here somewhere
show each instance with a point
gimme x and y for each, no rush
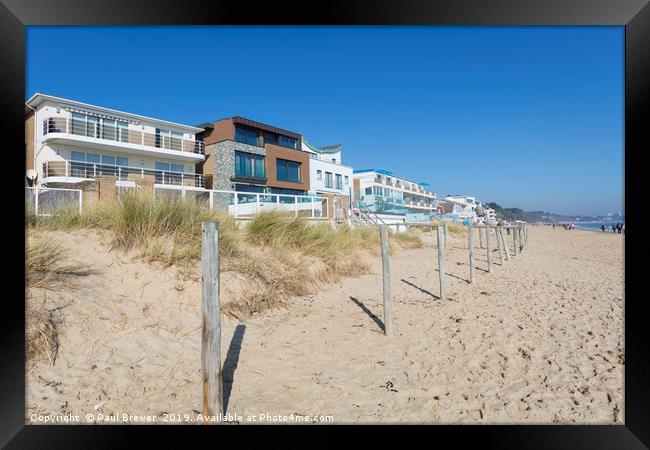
(441, 261)
(480, 237)
(383, 231)
(505, 245)
(496, 234)
(514, 240)
(488, 245)
(520, 239)
(445, 225)
(211, 335)
(470, 244)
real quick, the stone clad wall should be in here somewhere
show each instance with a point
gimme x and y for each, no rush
(224, 160)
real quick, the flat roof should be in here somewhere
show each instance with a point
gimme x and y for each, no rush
(38, 98)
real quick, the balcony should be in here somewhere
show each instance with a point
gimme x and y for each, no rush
(102, 136)
(76, 171)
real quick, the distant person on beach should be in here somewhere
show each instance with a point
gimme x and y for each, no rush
(602, 227)
(619, 226)
(613, 228)
(554, 226)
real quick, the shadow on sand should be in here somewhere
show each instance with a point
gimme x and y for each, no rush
(230, 363)
(437, 297)
(363, 307)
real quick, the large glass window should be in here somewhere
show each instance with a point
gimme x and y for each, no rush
(249, 165)
(286, 141)
(271, 138)
(123, 131)
(339, 181)
(108, 129)
(287, 170)
(92, 126)
(328, 180)
(246, 136)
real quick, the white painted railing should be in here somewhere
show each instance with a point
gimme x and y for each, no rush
(90, 171)
(45, 201)
(125, 135)
(247, 204)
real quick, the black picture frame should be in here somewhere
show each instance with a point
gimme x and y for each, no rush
(634, 15)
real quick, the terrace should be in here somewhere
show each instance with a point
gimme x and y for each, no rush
(77, 171)
(118, 136)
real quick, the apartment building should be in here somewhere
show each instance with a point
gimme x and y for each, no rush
(327, 174)
(460, 207)
(249, 156)
(68, 142)
(382, 192)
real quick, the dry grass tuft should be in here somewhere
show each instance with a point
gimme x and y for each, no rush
(408, 239)
(42, 334)
(47, 266)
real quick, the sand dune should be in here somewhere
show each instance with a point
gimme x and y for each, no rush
(539, 340)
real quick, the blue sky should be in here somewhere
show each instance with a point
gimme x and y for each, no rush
(529, 117)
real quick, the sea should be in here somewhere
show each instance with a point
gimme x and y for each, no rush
(595, 226)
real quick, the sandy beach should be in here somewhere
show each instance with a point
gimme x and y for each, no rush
(539, 340)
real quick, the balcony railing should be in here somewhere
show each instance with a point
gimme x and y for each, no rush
(78, 169)
(120, 134)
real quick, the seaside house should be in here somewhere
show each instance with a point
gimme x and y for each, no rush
(459, 208)
(248, 156)
(69, 143)
(392, 197)
(329, 177)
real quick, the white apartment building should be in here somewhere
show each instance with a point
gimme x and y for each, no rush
(68, 142)
(461, 206)
(326, 173)
(381, 192)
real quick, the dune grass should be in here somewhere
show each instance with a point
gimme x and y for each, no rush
(281, 255)
(47, 265)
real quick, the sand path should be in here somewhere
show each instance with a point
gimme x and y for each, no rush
(539, 340)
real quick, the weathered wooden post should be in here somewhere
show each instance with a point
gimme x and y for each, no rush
(441, 261)
(505, 245)
(386, 275)
(488, 245)
(445, 225)
(470, 244)
(480, 237)
(520, 239)
(211, 335)
(526, 233)
(496, 234)
(514, 240)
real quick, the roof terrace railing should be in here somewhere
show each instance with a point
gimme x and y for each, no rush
(123, 134)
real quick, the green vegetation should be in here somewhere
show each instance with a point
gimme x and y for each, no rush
(281, 255)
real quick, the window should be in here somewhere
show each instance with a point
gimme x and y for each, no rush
(89, 164)
(287, 170)
(333, 160)
(167, 139)
(249, 165)
(347, 180)
(108, 129)
(319, 174)
(246, 136)
(286, 141)
(328, 180)
(271, 138)
(339, 181)
(369, 190)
